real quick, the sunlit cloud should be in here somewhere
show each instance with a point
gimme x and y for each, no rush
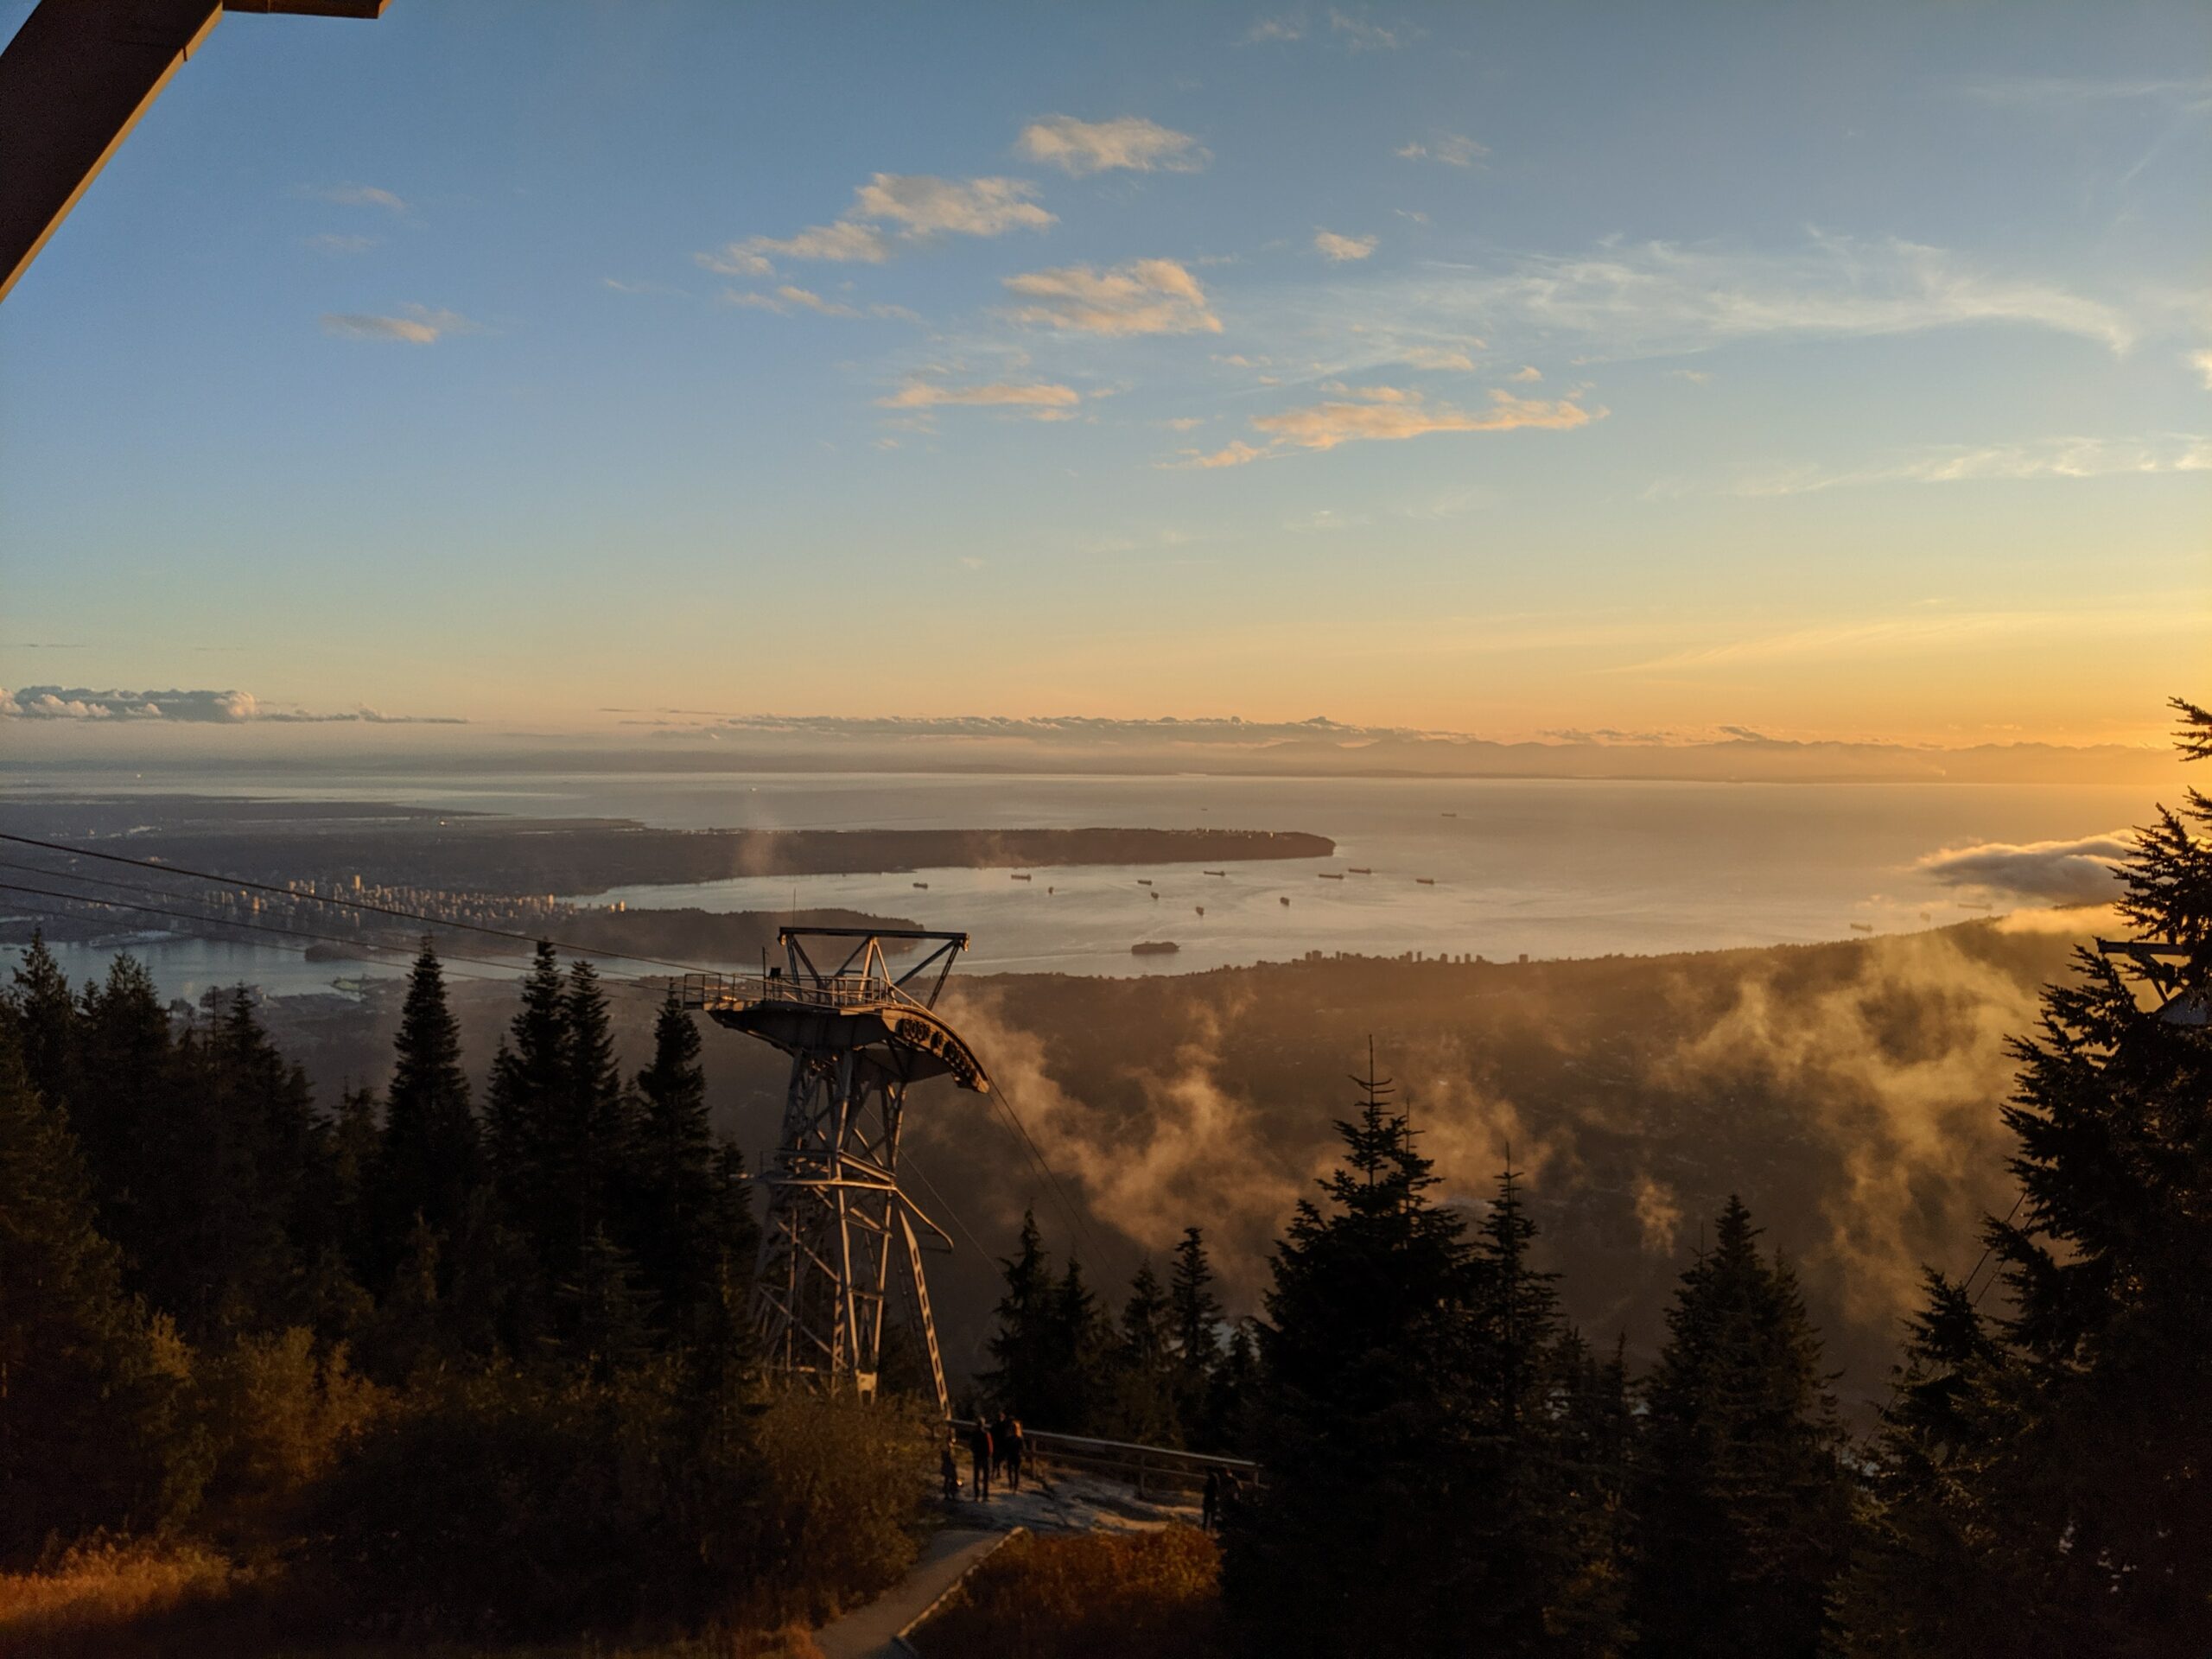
(417, 325)
(84, 705)
(1145, 296)
(1391, 413)
(844, 242)
(1526, 373)
(2202, 362)
(1437, 357)
(1129, 142)
(2059, 872)
(1343, 248)
(921, 206)
(1040, 401)
(2052, 458)
(1235, 453)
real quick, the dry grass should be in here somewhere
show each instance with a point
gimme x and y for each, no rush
(126, 1601)
(111, 1599)
(1097, 1596)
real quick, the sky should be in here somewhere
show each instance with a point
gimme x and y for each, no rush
(1839, 373)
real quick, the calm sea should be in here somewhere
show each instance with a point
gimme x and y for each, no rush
(1495, 867)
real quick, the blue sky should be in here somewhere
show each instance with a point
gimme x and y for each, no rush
(1841, 371)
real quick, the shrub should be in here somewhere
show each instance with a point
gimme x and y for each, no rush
(1095, 1596)
(509, 1504)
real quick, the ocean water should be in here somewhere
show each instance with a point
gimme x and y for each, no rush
(1541, 868)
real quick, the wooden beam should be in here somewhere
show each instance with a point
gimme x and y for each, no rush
(75, 79)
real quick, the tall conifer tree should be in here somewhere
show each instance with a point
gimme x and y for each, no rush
(429, 1156)
(1742, 1502)
(2056, 1458)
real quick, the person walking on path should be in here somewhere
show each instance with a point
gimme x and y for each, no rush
(949, 1468)
(979, 1458)
(1210, 1506)
(1014, 1448)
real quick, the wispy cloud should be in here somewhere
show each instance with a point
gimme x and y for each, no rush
(1362, 34)
(1145, 296)
(1438, 357)
(354, 195)
(790, 297)
(2190, 92)
(1662, 299)
(1331, 246)
(1129, 142)
(919, 205)
(1275, 28)
(1040, 401)
(1922, 631)
(1391, 412)
(1236, 453)
(2202, 362)
(2049, 458)
(843, 243)
(417, 325)
(1452, 148)
(1386, 414)
(334, 242)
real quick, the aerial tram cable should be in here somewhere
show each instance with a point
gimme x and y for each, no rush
(1005, 1104)
(501, 971)
(347, 903)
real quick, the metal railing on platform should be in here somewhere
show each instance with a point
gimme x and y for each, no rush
(1151, 1469)
(704, 991)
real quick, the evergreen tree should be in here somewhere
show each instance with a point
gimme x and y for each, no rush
(1022, 1344)
(1230, 1394)
(675, 1225)
(1141, 1402)
(1351, 1545)
(126, 1116)
(429, 1159)
(1742, 1502)
(88, 1399)
(44, 1018)
(524, 1113)
(1079, 1342)
(1195, 1317)
(2057, 1462)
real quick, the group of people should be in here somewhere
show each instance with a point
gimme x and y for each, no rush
(993, 1447)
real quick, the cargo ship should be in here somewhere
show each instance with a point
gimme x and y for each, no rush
(1155, 948)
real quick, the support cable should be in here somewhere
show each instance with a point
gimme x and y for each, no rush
(349, 904)
(501, 969)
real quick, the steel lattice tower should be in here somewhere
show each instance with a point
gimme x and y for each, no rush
(838, 1221)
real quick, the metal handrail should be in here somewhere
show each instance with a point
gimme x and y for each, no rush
(832, 991)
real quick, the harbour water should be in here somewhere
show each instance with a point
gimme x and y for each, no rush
(1460, 866)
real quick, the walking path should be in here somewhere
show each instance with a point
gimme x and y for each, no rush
(868, 1632)
(1062, 1503)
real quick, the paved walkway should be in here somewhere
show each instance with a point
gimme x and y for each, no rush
(1063, 1503)
(866, 1633)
